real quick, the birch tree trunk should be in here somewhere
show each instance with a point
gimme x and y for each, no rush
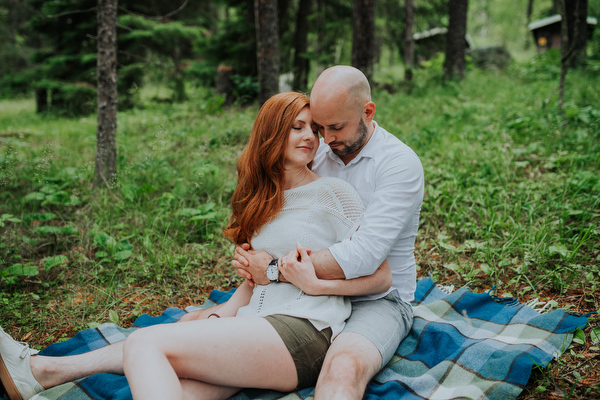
(106, 135)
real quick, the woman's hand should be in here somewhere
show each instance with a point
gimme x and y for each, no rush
(297, 268)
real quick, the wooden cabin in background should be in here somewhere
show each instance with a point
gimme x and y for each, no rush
(546, 32)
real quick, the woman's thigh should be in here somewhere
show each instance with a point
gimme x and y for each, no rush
(234, 352)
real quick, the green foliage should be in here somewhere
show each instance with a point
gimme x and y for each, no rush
(543, 66)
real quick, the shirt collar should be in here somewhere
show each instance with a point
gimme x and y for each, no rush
(368, 151)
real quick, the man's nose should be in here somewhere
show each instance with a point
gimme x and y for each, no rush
(327, 137)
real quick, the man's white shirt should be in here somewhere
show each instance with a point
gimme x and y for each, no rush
(389, 178)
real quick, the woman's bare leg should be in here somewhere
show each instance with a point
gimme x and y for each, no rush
(52, 371)
(194, 390)
(230, 352)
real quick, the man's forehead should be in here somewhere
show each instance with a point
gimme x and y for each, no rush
(328, 122)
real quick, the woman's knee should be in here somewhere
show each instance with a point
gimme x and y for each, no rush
(136, 345)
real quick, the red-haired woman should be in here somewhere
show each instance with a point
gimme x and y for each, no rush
(281, 333)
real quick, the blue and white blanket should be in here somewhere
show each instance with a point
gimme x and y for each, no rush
(462, 345)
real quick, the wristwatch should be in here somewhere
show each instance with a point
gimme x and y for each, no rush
(272, 271)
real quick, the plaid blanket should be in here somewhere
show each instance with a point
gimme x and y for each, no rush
(462, 345)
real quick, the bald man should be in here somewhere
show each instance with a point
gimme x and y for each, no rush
(389, 178)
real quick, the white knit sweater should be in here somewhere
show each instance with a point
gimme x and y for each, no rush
(315, 215)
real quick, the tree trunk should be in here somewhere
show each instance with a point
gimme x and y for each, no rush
(41, 100)
(454, 65)
(301, 61)
(528, 18)
(12, 32)
(267, 48)
(409, 41)
(576, 16)
(223, 84)
(319, 26)
(573, 40)
(283, 11)
(179, 94)
(106, 146)
(363, 36)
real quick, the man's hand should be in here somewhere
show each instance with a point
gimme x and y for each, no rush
(251, 264)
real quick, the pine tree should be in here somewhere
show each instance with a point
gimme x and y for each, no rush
(454, 64)
(363, 36)
(106, 143)
(267, 48)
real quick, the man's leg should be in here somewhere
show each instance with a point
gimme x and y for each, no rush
(350, 363)
(369, 340)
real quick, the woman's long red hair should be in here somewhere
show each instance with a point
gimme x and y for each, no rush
(258, 196)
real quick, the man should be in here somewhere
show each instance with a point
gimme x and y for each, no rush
(389, 178)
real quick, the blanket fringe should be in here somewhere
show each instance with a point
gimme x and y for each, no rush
(446, 289)
(507, 301)
(540, 306)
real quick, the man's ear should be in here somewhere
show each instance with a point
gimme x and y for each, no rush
(369, 111)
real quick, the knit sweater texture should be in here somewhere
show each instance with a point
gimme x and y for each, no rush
(315, 215)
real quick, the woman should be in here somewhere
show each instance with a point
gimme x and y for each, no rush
(279, 339)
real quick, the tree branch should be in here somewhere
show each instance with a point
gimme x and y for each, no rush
(168, 15)
(63, 14)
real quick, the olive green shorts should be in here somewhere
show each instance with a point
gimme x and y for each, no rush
(306, 344)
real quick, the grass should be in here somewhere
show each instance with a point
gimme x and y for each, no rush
(511, 201)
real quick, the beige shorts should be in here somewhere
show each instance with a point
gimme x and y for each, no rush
(306, 344)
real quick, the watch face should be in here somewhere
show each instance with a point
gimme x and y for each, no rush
(272, 272)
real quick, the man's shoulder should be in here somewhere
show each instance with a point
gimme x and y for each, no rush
(390, 148)
(387, 141)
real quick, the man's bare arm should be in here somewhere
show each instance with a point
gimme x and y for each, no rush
(298, 269)
(326, 267)
(252, 264)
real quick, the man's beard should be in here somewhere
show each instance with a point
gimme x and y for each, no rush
(361, 138)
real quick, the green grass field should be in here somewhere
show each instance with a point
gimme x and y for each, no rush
(512, 200)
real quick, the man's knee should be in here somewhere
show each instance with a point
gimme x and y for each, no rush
(352, 361)
(349, 369)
